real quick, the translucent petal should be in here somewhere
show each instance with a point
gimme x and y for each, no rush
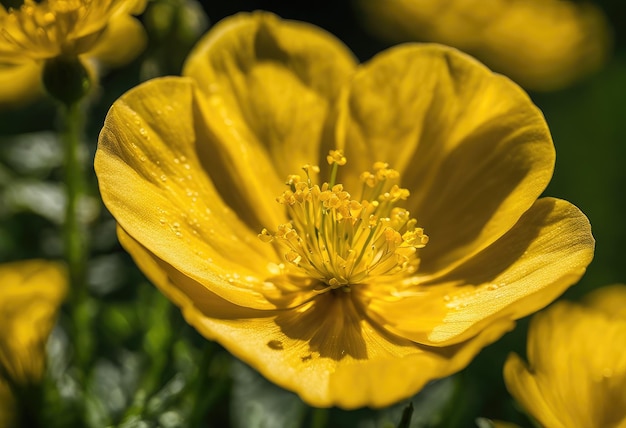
(473, 150)
(153, 180)
(546, 252)
(269, 84)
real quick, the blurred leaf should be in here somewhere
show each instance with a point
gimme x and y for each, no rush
(33, 154)
(166, 395)
(484, 423)
(106, 273)
(46, 199)
(257, 403)
(42, 198)
(488, 423)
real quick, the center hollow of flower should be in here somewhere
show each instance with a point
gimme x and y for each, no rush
(341, 241)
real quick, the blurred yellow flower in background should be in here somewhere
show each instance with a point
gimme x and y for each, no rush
(541, 44)
(420, 244)
(98, 32)
(31, 293)
(576, 371)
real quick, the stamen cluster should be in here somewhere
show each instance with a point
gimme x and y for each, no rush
(343, 241)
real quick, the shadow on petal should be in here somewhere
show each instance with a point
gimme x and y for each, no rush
(331, 324)
(513, 247)
(458, 213)
(521, 273)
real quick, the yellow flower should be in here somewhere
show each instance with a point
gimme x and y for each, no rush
(576, 371)
(423, 246)
(541, 44)
(100, 30)
(31, 293)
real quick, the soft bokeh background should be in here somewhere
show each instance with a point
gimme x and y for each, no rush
(150, 366)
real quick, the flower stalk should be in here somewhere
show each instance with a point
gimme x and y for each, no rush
(75, 235)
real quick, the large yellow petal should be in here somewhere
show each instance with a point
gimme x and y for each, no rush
(472, 148)
(31, 293)
(260, 288)
(269, 84)
(330, 355)
(576, 368)
(123, 39)
(19, 83)
(326, 351)
(546, 252)
(152, 178)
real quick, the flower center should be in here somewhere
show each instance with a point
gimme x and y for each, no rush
(341, 241)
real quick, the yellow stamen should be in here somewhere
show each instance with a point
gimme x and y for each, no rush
(341, 241)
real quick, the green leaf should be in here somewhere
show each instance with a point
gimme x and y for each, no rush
(257, 403)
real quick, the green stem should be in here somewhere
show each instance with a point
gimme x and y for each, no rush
(75, 245)
(75, 238)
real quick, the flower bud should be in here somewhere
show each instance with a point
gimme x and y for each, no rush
(66, 79)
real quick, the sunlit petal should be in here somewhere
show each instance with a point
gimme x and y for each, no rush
(519, 274)
(269, 85)
(149, 148)
(473, 150)
(325, 350)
